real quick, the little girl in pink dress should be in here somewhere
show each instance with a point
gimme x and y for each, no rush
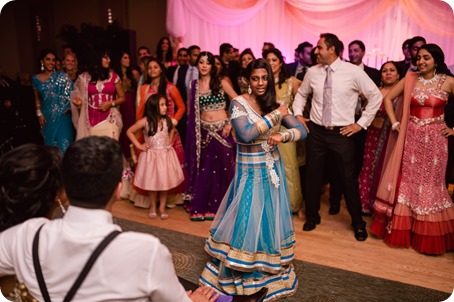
(158, 169)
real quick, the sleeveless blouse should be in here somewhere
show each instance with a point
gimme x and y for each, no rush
(210, 102)
(161, 139)
(427, 104)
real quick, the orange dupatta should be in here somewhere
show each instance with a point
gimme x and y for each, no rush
(386, 193)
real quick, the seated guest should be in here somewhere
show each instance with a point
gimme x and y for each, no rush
(62, 246)
(31, 183)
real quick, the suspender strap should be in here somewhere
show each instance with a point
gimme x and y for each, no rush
(83, 274)
(72, 292)
(38, 271)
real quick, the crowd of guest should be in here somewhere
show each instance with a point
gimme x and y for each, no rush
(381, 138)
(110, 96)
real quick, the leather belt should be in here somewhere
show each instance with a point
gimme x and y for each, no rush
(331, 128)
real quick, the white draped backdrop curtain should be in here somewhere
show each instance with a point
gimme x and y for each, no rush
(382, 25)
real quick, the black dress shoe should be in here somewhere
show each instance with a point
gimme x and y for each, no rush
(364, 213)
(334, 209)
(257, 297)
(310, 224)
(360, 233)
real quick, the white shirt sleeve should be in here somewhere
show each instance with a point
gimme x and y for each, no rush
(164, 278)
(373, 96)
(301, 95)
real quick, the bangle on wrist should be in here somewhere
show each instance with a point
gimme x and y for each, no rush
(38, 112)
(286, 135)
(113, 104)
(395, 124)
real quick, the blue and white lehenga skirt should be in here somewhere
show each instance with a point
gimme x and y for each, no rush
(252, 237)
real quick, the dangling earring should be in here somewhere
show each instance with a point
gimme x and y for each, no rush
(42, 66)
(249, 90)
(435, 70)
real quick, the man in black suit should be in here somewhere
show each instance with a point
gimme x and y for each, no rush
(404, 65)
(356, 52)
(300, 67)
(232, 67)
(415, 43)
(177, 75)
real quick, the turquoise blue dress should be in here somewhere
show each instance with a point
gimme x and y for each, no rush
(252, 237)
(54, 93)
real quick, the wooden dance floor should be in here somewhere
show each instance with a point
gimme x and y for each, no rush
(331, 244)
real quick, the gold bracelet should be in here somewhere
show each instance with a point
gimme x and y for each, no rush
(285, 135)
(277, 116)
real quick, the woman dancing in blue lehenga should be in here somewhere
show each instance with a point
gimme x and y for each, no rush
(252, 237)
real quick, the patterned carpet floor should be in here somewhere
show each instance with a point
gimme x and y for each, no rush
(316, 282)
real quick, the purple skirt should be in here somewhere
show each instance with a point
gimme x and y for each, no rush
(216, 170)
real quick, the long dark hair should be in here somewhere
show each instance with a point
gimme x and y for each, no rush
(159, 53)
(247, 51)
(215, 81)
(267, 101)
(96, 70)
(152, 113)
(283, 72)
(30, 178)
(117, 66)
(162, 88)
(439, 57)
(119, 70)
(223, 72)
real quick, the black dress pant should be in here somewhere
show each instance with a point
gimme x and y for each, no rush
(318, 144)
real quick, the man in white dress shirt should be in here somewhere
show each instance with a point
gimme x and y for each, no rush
(133, 267)
(193, 70)
(334, 86)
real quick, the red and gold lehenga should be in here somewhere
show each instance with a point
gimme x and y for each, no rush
(422, 213)
(374, 154)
